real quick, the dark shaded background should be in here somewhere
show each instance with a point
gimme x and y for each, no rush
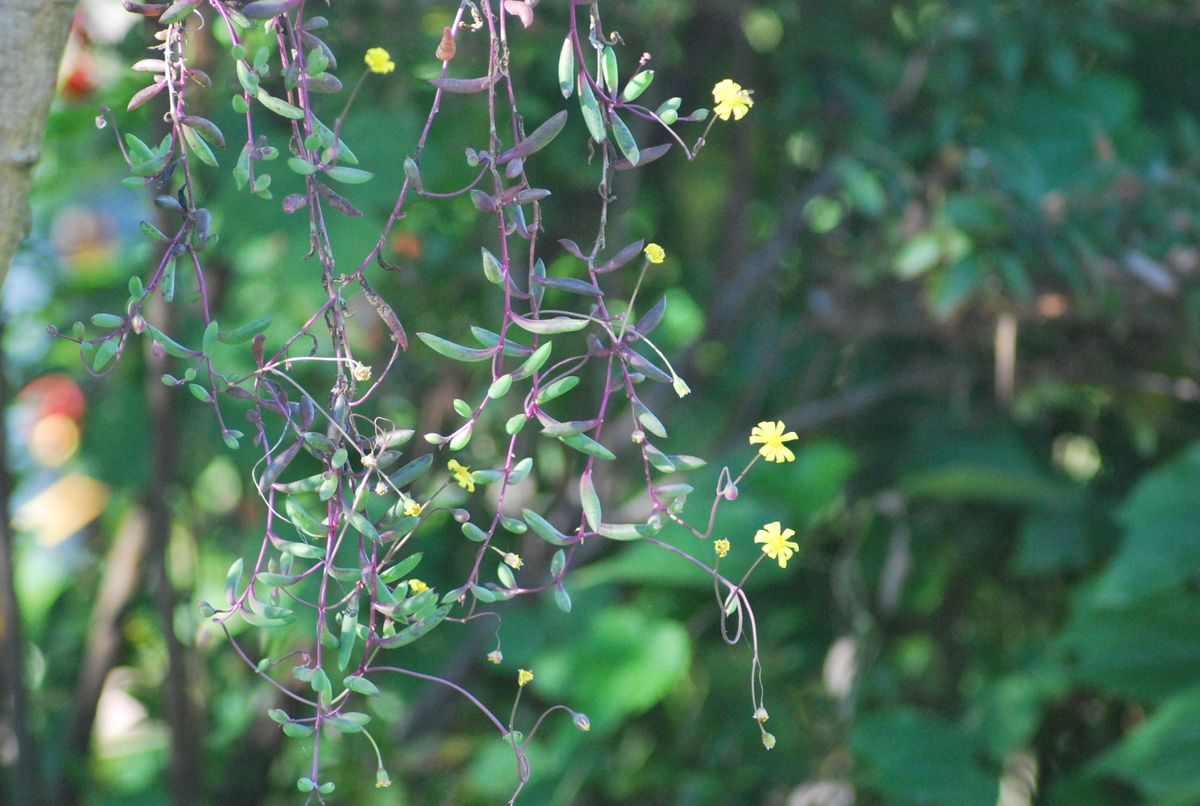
(953, 244)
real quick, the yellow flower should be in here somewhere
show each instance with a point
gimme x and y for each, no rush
(360, 371)
(721, 547)
(524, 677)
(379, 60)
(416, 586)
(776, 544)
(462, 475)
(770, 435)
(513, 561)
(655, 253)
(413, 509)
(731, 99)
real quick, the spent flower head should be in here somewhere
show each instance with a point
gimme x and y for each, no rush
(513, 561)
(776, 544)
(382, 781)
(416, 586)
(524, 677)
(655, 253)
(771, 436)
(462, 475)
(379, 60)
(495, 656)
(360, 371)
(731, 99)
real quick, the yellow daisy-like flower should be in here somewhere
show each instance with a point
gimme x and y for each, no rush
(462, 475)
(721, 547)
(413, 509)
(524, 677)
(379, 60)
(513, 561)
(771, 436)
(776, 544)
(731, 99)
(416, 586)
(655, 253)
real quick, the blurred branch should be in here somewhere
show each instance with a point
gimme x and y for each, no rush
(821, 413)
(32, 37)
(121, 581)
(25, 786)
(182, 718)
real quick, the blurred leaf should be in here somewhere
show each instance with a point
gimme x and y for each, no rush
(1161, 549)
(1147, 651)
(643, 660)
(1159, 756)
(915, 758)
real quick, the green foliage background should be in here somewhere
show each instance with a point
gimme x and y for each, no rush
(1016, 577)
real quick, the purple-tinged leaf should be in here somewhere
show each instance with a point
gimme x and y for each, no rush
(573, 248)
(537, 140)
(651, 318)
(267, 9)
(621, 258)
(337, 201)
(177, 11)
(569, 284)
(464, 85)
(647, 155)
(144, 9)
(146, 94)
(205, 128)
(386, 314)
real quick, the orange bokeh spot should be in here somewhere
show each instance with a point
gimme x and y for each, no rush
(53, 440)
(406, 245)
